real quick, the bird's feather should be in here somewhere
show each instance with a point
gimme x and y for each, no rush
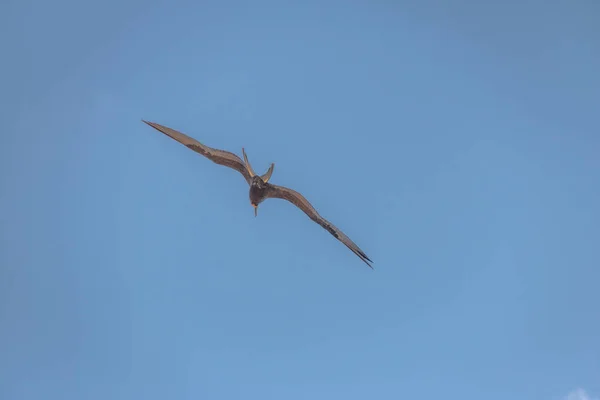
(280, 192)
(220, 157)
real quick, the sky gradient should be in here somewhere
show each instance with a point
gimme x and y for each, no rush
(457, 145)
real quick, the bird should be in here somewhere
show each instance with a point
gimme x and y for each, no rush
(260, 188)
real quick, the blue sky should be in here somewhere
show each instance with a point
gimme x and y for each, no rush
(455, 142)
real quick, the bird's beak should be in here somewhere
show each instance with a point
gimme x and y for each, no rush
(255, 209)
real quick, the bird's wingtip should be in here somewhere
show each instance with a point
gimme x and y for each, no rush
(365, 259)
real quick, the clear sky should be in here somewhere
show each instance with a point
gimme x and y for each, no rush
(457, 143)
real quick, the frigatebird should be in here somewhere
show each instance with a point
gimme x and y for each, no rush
(260, 188)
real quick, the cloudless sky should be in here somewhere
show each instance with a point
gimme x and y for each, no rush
(457, 143)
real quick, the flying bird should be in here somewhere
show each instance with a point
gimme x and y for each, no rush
(260, 188)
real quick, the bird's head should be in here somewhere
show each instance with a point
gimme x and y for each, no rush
(254, 202)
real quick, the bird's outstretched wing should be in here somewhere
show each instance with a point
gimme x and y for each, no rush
(220, 157)
(280, 192)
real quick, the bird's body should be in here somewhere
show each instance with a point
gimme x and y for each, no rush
(258, 191)
(260, 188)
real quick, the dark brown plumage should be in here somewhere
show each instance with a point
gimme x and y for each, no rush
(260, 189)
